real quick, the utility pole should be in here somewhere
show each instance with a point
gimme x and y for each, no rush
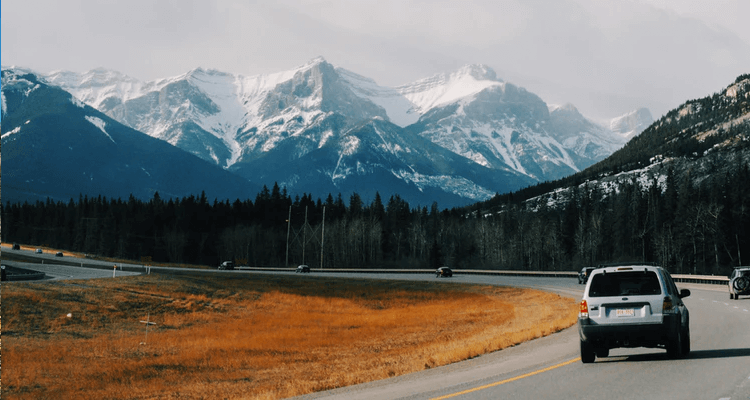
(304, 237)
(288, 225)
(322, 237)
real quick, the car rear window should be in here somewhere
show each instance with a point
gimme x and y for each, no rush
(633, 283)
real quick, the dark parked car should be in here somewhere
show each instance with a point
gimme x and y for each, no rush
(227, 265)
(633, 306)
(302, 268)
(443, 272)
(583, 274)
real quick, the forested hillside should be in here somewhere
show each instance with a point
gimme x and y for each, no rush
(701, 229)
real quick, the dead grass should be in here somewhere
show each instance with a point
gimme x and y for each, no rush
(259, 336)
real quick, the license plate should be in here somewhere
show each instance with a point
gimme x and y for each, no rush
(626, 312)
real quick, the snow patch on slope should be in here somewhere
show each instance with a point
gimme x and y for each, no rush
(15, 130)
(97, 122)
(456, 185)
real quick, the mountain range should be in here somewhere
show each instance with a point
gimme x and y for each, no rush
(700, 144)
(453, 138)
(54, 146)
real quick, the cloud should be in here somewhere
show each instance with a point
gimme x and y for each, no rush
(607, 57)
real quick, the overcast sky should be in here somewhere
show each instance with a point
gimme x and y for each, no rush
(606, 57)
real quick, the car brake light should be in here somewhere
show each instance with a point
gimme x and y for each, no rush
(667, 306)
(584, 310)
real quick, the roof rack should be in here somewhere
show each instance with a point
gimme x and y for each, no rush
(623, 264)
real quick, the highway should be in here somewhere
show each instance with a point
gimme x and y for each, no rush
(61, 268)
(718, 366)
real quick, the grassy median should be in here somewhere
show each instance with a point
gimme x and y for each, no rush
(251, 336)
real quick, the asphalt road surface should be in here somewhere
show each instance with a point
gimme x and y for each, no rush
(718, 366)
(60, 268)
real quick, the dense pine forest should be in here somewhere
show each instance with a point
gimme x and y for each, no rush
(688, 227)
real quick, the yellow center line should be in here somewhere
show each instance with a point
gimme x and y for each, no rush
(476, 389)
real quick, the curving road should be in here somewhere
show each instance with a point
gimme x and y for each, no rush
(718, 366)
(60, 268)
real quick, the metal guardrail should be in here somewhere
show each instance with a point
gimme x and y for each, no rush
(560, 274)
(704, 279)
(22, 274)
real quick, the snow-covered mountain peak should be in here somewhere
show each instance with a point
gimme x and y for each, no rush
(631, 124)
(567, 108)
(479, 72)
(315, 61)
(447, 88)
(100, 88)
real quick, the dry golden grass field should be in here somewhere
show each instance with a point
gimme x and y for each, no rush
(251, 336)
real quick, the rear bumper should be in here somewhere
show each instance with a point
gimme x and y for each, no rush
(629, 335)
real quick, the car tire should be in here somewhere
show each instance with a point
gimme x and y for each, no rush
(686, 343)
(603, 352)
(741, 284)
(587, 353)
(674, 347)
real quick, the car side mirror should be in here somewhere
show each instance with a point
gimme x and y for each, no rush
(684, 293)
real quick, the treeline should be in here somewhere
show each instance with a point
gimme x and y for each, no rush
(689, 228)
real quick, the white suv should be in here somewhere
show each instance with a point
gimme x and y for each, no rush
(739, 283)
(632, 306)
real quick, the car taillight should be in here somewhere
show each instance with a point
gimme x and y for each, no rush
(584, 310)
(667, 306)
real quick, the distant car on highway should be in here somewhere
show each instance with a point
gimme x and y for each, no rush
(302, 268)
(632, 306)
(443, 272)
(227, 265)
(38, 251)
(739, 283)
(59, 254)
(583, 274)
(16, 246)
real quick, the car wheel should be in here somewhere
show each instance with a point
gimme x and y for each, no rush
(686, 343)
(674, 347)
(741, 284)
(587, 353)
